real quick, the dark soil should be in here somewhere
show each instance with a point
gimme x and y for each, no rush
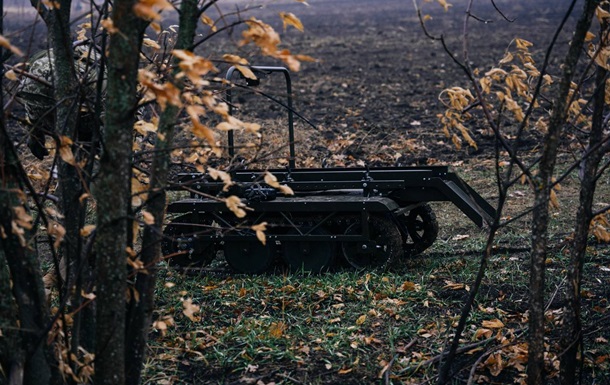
(378, 78)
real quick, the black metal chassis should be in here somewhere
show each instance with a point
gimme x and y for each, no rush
(329, 192)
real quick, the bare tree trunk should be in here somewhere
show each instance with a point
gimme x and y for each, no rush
(543, 185)
(26, 279)
(24, 354)
(140, 312)
(113, 194)
(572, 340)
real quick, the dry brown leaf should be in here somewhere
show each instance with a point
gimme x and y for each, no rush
(194, 66)
(86, 230)
(409, 286)
(289, 18)
(260, 232)
(444, 4)
(277, 329)
(286, 190)
(206, 20)
(108, 25)
(148, 218)
(65, 150)
(493, 324)
(4, 42)
(22, 218)
(190, 309)
(57, 231)
(10, 75)
(149, 9)
(236, 206)
(271, 180)
(223, 176)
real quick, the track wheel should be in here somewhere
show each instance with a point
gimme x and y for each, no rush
(248, 256)
(422, 227)
(383, 247)
(183, 243)
(308, 255)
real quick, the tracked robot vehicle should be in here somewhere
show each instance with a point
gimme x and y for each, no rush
(364, 217)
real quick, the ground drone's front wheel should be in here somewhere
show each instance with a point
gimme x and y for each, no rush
(422, 229)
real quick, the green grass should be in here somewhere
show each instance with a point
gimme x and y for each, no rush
(346, 327)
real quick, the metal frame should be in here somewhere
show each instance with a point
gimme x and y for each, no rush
(266, 69)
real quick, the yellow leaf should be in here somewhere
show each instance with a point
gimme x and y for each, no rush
(260, 232)
(108, 25)
(143, 127)
(554, 202)
(246, 71)
(84, 196)
(193, 66)
(483, 333)
(291, 19)
(361, 320)
(90, 296)
(10, 75)
(87, 230)
(493, 324)
(189, 310)
(601, 14)
(286, 190)
(57, 231)
(223, 176)
(276, 330)
(148, 218)
(4, 42)
(150, 43)
(236, 206)
(345, 371)
(271, 180)
(234, 59)
(508, 57)
(444, 4)
(22, 218)
(164, 93)
(65, 151)
(155, 27)
(149, 9)
(523, 44)
(409, 286)
(454, 286)
(206, 20)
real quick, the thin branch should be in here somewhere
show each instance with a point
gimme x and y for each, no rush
(502, 13)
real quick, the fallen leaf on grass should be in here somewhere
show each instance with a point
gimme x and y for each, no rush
(493, 324)
(409, 286)
(460, 237)
(190, 310)
(456, 286)
(277, 329)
